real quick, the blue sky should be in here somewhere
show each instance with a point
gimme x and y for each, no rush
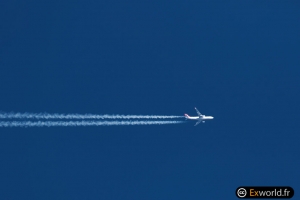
(236, 60)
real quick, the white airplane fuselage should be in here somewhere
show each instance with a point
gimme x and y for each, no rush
(199, 118)
(203, 117)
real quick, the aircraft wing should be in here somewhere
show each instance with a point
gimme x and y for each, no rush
(198, 112)
(198, 122)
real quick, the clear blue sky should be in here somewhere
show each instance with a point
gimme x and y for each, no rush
(237, 60)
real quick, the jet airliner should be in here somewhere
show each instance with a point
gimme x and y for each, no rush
(200, 118)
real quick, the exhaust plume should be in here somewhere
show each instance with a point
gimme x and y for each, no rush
(80, 116)
(81, 123)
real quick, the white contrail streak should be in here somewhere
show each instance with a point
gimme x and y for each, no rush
(81, 123)
(80, 116)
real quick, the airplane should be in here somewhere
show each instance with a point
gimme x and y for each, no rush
(200, 118)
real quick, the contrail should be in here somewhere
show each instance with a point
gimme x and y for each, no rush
(80, 116)
(81, 123)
